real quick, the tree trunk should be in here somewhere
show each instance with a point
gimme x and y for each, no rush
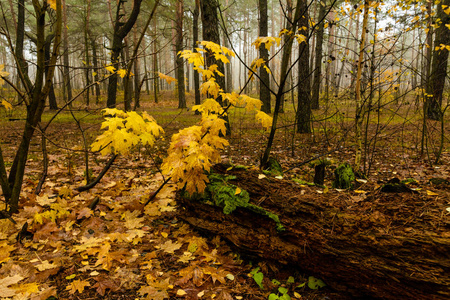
(439, 64)
(304, 79)
(318, 59)
(264, 86)
(87, 59)
(67, 81)
(194, 46)
(349, 248)
(95, 65)
(210, 23)
(121, 29)
(359, 110)
(179, 59)
(35, 103)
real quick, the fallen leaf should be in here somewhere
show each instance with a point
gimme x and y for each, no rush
(170, 247)
(181, 292)
(261, 176)
(5, 291)
(45, 265)
(77, 285)
(430, 193)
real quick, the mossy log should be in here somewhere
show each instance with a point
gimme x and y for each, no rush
(384, 246)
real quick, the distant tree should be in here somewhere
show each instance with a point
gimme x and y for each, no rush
(304, 77)
(264, 86)
(318, 53)
(179, 60)
(121, 30)
(439, 63)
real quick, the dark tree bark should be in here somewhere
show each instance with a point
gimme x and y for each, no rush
(318, 59)
(349, 248)
(67, 81)
(53, 105)
(210, 23)
(86, 52)
(194, 46)
(439, 65)
(304, 79)
(179, 59)
(95, 65)
(121, 30)
(264, 86)
(20, 36)
(35, 103)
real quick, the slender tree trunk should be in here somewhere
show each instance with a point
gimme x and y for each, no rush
(318, 58)
(359, 111)
(194, 46)
(264, 87)
(304, 78)
(35, 103)
(67, 81)
(439, 64)
(179, 59)
(121, 30)
(155, 66)
(86, 51)
(287, 49)
(95, 65)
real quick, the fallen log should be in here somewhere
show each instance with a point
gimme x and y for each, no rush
(386, 246)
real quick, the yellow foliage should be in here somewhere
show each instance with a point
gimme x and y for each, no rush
(2, 74)
(195, 58)
(7, 105)
(264, 119)
(210, 87)
(268, 42)
(125, 130)
(166, 78)
(210, 106)
(122, 73)
(110, 69)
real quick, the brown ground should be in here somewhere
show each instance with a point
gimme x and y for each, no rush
(129, 267)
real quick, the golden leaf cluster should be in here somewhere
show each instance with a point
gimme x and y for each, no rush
(124, 130)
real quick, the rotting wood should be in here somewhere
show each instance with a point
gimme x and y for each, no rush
(382, 246)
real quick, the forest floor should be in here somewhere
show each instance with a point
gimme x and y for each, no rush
(123, 250)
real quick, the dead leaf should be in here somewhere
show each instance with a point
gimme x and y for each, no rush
(170, 247)
(45, 265)
(85, 212)
(104, 283)
(77, 286)
(5, 291)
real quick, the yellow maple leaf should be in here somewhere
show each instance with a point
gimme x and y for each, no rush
(77, 285)
(5, 250)
(110, 69)
(167, 78)
(5, 103)
(2, 73)
(195, 58)
(52, 4)
(209, 106)
(264, 119)
(210, 87)
(122, 73)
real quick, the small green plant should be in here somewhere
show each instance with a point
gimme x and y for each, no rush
(313, 283)
(229, 196)
(282, 294)
(257, 277)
